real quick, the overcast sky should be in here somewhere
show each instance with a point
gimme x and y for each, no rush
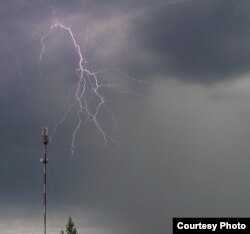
(183, 134)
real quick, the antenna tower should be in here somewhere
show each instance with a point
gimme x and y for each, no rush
(44, 160)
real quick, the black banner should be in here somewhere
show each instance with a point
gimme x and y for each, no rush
(211, 225)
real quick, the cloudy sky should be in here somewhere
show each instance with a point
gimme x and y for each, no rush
(183, 132)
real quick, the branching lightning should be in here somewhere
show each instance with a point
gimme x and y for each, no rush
(86, 79)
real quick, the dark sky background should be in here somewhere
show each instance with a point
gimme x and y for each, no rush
(184, 136)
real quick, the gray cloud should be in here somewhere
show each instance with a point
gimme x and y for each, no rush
(183, 145)
(198, 41)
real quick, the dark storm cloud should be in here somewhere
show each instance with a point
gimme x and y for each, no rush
(200, 41)
(176, 139)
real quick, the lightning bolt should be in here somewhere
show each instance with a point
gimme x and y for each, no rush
(86, 80)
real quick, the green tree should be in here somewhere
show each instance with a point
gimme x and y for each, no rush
(70, 228)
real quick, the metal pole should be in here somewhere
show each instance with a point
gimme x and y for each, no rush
(44, 160)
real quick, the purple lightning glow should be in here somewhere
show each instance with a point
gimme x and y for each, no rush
(86, 79)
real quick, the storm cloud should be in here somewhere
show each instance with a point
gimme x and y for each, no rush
(183, 135)
(198, 41)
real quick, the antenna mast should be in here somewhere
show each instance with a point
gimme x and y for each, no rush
(44, 160)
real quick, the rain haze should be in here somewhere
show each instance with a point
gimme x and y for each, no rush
(180, 115)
